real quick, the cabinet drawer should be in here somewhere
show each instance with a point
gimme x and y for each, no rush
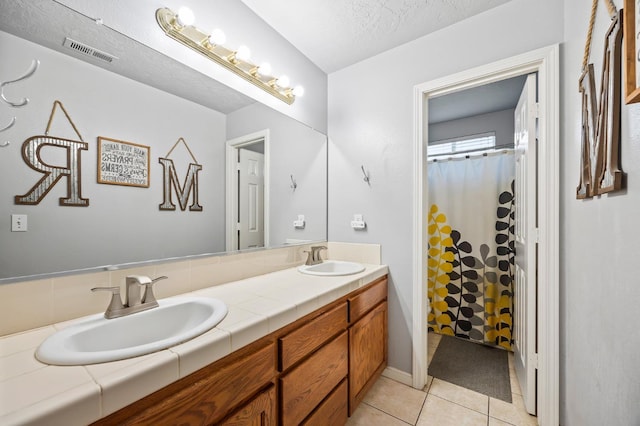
(210, 396)
(309, 383)
(301, 342)
(333, 410)
(363, 302)
(260, 411)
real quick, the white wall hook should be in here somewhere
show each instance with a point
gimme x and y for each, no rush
(366, 176)
(8, 126)
(32, 69)
(5, 144)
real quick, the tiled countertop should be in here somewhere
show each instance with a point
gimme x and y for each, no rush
(35, 393)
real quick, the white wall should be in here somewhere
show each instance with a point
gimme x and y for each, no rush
(499, 122)
(121, 223)
(600, 245)
(298, 150)
(371, 124)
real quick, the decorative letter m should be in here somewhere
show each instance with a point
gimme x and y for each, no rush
(190, 186)
(600, 139)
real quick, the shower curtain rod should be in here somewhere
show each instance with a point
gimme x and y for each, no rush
(469, 155)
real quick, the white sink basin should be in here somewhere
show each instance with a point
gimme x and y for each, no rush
(332, 268)
(97, 339)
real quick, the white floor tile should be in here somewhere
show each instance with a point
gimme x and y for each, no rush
(392, 403)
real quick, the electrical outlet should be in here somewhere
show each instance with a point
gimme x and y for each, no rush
(18, 223)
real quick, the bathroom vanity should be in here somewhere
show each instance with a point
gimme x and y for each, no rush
(293, 348)
(314, 371)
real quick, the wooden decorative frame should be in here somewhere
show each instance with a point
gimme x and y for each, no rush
(632, 50)
(123, 163)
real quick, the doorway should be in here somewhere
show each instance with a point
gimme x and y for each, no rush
(247, 194)
(545, 63)
(482, 202)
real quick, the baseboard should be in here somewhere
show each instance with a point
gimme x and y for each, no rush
(398, 376)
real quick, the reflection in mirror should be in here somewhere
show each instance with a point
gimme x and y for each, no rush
(290, 149)
(122, 223)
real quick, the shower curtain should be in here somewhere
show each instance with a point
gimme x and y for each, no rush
(471, 247)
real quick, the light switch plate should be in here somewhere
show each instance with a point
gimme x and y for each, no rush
(18, 223)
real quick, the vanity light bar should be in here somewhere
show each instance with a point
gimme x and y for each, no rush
(200, 41)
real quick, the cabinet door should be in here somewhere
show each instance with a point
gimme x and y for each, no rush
(260, 411)
(367, 353)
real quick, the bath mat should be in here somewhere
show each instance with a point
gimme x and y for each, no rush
(481, 368)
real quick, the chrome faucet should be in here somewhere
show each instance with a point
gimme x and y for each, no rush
(133, 301)
(313, 256)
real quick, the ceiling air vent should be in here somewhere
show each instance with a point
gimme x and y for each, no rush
(88, 50)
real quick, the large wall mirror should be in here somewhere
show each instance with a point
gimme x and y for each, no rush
(148, 99)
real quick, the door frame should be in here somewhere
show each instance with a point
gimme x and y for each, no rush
(231, 199)
(545, 62)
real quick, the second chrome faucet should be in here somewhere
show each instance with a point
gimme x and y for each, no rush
(135, 300)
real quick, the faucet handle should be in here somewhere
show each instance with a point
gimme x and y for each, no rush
(309, 260)
(148, 296)
(116, 302)
(316, 253)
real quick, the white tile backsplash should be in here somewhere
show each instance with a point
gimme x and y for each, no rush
(30, 304)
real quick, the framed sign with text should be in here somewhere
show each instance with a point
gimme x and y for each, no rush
(632, 50)
(123, 163)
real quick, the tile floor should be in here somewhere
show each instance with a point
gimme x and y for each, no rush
(390, 403)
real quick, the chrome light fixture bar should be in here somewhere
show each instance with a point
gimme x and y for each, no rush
(233, 60)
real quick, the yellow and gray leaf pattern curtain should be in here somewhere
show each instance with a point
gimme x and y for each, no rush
(471, 248)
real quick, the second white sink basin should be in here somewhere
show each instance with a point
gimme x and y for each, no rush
(332, 268)
(97, 339)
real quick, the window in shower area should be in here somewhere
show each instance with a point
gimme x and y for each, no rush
(462, 145)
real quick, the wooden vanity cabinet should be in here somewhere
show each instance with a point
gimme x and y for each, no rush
(314, 371)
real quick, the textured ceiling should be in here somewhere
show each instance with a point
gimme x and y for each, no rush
(337, 33)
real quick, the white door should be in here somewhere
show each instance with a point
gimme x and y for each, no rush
(250, 199)
(525, 320)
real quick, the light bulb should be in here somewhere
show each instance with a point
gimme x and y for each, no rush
(217, 37)
(264, 68)
(243, 53)
(185, 16)
(283, 81)
(298, 91)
